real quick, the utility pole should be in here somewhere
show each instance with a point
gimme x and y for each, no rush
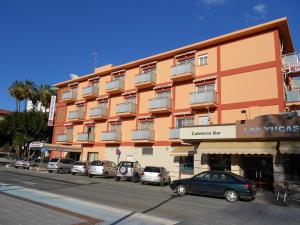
(94, 54)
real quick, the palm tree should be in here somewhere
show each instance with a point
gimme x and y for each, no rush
(29, 91)
(45, 93)
(16, 90)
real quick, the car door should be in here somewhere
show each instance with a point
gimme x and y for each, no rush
(197, 184)
(214, 185)
(113, 168)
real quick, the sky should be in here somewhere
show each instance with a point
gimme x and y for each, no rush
(47, 40)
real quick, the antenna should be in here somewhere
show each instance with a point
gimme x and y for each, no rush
(94, 54)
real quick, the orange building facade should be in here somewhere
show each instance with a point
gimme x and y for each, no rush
(137, 109)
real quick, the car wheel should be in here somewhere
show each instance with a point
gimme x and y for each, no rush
(123, 170)
(50, 171)
(16, 167)
(73, 173)
(117, 178)
(135, 178)
(90, 175)
(162, 183)
(60, 170)
(105, 175)
(181, 189)
(231, 196)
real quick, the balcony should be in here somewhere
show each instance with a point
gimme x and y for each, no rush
(90, 92)
(143, 135)
(174, 133)
(85, 137)
(160, 105)
(183, 72)
(111, 136)
(200, 100)
(76, 115)
(115, 86)
(126, 109)
(291, 63)
(145, 80)
(293, 97)
(98, 113)
(64, 138)
(296, 83)
(69, 96)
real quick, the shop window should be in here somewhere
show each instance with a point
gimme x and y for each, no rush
(92, 156)
(186, 165)
(291, 167)
(184, 122)
(220, 162)
(147, 151)
(203, 59)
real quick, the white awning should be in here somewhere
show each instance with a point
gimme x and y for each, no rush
(63, 148)
(183, 151)
(289, 147)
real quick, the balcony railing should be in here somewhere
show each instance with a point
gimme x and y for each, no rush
(111, 136)
(69, 95)
(296, 83)
(126, 107)
(115, 84)
(64, 138)
(291, 62)
(98, 111)
(91, 90)
(203, 97)
(76, 115)
(149, 77)
(143, 135)
(174, 133)
(162, 102)
(182, 69)
(293, 95)
(86, 137)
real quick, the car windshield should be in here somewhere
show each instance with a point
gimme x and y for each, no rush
(54, 160)
(127, 164)
(152, 169)
(96, 163)
(79, 163)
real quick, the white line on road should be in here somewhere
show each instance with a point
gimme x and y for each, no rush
(25, 182)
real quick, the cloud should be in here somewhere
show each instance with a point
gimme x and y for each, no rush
(260, 8)
(210, 3)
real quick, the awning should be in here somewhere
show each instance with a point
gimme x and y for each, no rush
(237, 148)
(63, 148)
(289, 147)
(183, 151)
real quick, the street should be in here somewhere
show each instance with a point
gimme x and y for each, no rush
(42, 198)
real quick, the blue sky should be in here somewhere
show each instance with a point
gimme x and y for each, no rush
(45, 41)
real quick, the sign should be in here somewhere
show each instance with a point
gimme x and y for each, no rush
(270, 127)
(118, 152)
(294, 67)
(208, 132)
(36, 144)
(51, 111)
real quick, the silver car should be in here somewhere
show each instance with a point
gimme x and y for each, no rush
(19, 163)
(129, 170)
(154, 174)
(60, 165)
(79, 168)
(102, 168)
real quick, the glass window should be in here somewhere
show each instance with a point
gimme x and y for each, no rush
(92, 156)
(203, 59)
(115, 127)
(205, 88)
(184, 61)
(131, 100)
(146, 125)
(147, 151)
(119, 77)
(200, 176)
(184, 122)
(165, 94)
(152, 169)
(187, 164)
(204, 120)
(103, 105)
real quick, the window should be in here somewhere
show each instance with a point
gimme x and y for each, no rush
(122, 77)
(103, 105)
(115, 127)
(184, 122)
(186, 164)
(165, 94)
(131, 100)
(147, 151)
(204, 120)
(146, 125)
(205, 88)
(92, 156)
(185, 61)
(203, 59)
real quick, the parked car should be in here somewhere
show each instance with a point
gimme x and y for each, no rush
(154, 174)
(60, 165)
(129, 170)
(7, 158)
(216, 183)
(102, 168)
(79, 167)
(34, 163)
(19, 163)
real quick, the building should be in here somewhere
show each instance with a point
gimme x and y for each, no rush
(143, 110)
(3, 113)
(38, 107)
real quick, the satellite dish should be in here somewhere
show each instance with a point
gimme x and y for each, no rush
(73, 76)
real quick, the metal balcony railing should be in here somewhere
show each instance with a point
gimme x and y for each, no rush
(115, 84)
(69, 95)
(64, 138)
(162, 102)
(174, 133)
(90, 90)
(296, 83)
(143, 135)
(203, 97)
(290, 58)
(98, 111)
(111, 136)
(126, 107)
(76, 114)
(183, 68)
(146, 77)
(85, 137)
(293, 95)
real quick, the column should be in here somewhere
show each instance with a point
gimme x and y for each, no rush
(236, 165)
(201, 163)
(278, 169)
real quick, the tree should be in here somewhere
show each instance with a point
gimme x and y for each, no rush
(28, 91)
(16, 90)
(45, 93)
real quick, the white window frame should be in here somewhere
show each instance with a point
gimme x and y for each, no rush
(201, 119)
(186, 123)
(206, 87)
(203, 60)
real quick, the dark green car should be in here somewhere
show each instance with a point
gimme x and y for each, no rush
(216, 183)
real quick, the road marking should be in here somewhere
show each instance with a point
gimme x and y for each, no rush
(23, 181)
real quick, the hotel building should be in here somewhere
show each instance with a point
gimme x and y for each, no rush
(191, 109)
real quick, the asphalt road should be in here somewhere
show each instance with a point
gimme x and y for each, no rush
(153, 200)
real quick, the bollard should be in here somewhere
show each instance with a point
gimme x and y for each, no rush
(6, 165)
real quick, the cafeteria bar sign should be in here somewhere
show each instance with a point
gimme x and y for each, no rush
(208, 132)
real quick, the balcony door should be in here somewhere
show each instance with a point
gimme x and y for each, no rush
(102, 105)
(147, 125)
(131, 100)
(205, 88)
(115, 127)
(184, 122)
(165, 94)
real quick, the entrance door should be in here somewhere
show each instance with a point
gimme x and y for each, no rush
(260, 170)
